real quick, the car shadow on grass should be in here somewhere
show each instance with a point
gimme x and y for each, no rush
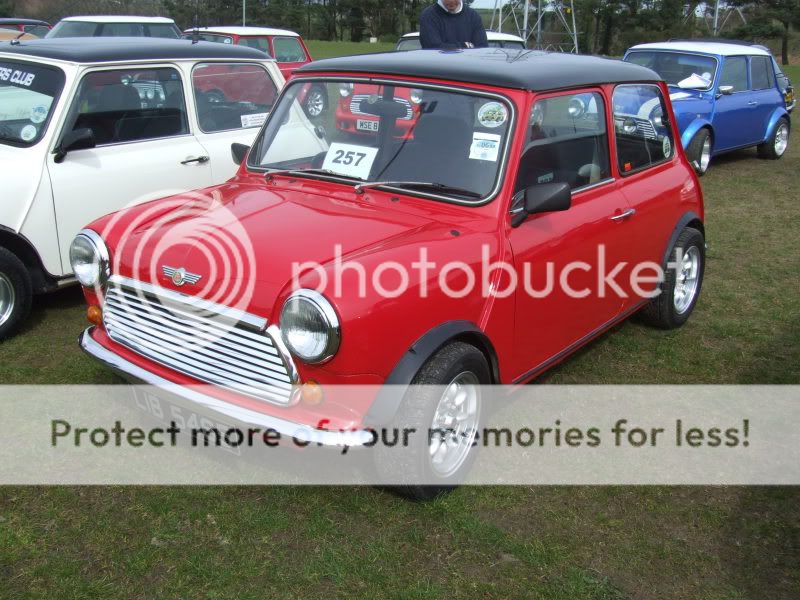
(62, 302)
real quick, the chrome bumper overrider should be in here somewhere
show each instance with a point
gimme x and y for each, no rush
(214, 407)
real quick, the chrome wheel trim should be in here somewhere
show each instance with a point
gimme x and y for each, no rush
(455, 424)
(314, 103)
(7, 298)
(781, 139)
(705, 155)
(687, 280)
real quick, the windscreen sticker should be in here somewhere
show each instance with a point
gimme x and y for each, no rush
(485, 146)
(256, 120)
(546, 178)
(492, 114)
(28, 133)
(666, 146)
(38, 114)
(350, 160)
(17, 77)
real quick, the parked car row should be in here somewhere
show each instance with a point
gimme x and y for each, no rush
(205, 177)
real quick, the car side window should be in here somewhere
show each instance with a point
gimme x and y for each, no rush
(288, 49)
(761, 73)
(130, 105)
(259, 43)
(643, 134)
(232, 96)
(734, 73)
(567, 142)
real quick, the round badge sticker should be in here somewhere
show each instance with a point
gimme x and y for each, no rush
(666, 146)
(28, 133)
(492, 114)
(38, 114)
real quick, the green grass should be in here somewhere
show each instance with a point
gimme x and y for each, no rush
(543, 542)
(322, 49)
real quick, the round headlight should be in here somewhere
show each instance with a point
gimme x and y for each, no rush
(345, 89)
(309, 326)
(89, 258)
(415, 96)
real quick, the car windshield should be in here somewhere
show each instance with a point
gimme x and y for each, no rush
(422, 140)
(696, 71)
(27, 94)
(93, 29)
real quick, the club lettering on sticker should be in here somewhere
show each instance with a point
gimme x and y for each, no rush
(256, 120)
(485, 146)
(350, 160)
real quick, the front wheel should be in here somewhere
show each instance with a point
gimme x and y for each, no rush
(15, 293)
(316, 102)
(776, 145)
(444, 406)
(699, 151)
(683, 279)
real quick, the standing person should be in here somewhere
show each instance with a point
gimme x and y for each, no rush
(451, 24)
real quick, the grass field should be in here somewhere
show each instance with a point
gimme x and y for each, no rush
(549, 543)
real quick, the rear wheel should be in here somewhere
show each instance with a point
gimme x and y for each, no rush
(699, 151)
(444, 405)
(316, 102)
(15, 293)
(683, 279)
(776, 145)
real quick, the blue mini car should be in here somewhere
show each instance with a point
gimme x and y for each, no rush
(725, 97)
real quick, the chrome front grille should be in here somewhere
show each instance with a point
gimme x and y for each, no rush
(355, 106)
(208, 342)
(646, 128)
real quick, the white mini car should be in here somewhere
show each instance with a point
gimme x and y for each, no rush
(88, 126)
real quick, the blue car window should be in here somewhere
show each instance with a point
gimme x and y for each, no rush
(761, 72)
(734, 73)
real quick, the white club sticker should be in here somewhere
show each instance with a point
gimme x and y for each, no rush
(38, 113)
(492, 114)
(350, 160)
(28, 133)
(256, 120)
(485, 146)
(666, 146)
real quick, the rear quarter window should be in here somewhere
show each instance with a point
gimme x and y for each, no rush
(643, 135)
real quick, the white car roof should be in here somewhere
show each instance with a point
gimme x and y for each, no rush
(705, 47)
(118, 19)
(244, 31)
(492, 35)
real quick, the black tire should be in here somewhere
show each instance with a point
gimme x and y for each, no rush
(15, 293)
(672, 308)
(316, 102)
(768, 149)
(694, 152)
(414, 464)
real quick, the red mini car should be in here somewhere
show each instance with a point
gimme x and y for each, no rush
(522, 217)
(287, 47)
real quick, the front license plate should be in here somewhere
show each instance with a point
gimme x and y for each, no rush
(364, 125)
(185, 419)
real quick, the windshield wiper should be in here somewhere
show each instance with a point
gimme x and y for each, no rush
(269, 175)
(419, 185)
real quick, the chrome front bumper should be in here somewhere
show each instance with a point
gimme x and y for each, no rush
(220, 409)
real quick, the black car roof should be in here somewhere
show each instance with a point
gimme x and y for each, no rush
(115, 49)
(13, 21)
(521, 69)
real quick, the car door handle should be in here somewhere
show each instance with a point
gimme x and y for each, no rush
(752, 103)
(622, 216)
(197, 159)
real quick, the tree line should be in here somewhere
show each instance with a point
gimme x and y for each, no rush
(603, 26)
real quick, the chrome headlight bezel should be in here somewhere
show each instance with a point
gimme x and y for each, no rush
(315, 301)
(101, 261)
